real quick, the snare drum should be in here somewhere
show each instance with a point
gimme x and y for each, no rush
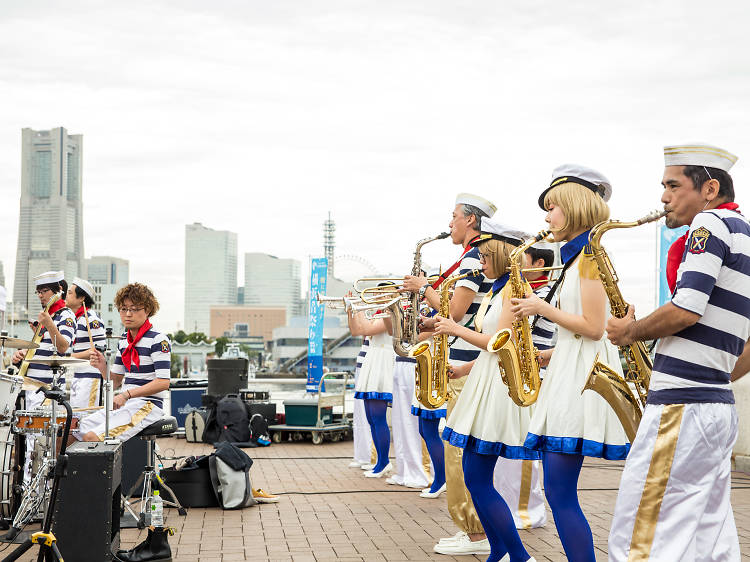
(10, 387)
(38, 421)
(10, 472)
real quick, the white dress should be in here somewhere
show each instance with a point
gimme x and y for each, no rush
(564, 420)
(485, 419)
(376, 374)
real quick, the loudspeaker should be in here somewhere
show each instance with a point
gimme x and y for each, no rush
(226, 376)
(86, 519)
(266, 409)
(133, 461)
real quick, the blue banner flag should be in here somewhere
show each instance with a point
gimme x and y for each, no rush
(666, 237)
(318, 279)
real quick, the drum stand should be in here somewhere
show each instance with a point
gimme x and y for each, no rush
(47, 542)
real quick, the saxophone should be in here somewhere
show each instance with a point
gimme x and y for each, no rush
(431, 372)
(519, 365)
(406, 323)
(38, 335)
(602, 379)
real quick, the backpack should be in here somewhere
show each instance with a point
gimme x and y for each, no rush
(230, 467)
(259, 430)
(232, 421)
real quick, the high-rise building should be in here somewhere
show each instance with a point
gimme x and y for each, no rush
(271, 281)
(210, 273)
(50, 229)
(2, 275)
(107, 275)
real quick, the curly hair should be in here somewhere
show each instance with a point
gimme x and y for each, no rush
(140, 295)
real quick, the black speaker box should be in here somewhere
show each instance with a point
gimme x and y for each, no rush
(226, 376)
(133, 461)
(266, 409)
(86, 518)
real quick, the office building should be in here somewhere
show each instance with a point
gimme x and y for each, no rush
(271, 281)
(246, 321)
(108, 274)
(50, 226)
(210, 274)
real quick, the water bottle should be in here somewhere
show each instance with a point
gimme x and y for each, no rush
(157, 510)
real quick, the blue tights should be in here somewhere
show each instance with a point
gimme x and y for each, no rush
(428, 429)
(492, 510)
(375, 411)
(561, 473)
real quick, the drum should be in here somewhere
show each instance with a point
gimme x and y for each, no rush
(10, 387)
(37, 421)
(10, 472)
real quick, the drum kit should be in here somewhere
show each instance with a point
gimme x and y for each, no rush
(23, 499)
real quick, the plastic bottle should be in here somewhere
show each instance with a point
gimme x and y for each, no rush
(157, 510)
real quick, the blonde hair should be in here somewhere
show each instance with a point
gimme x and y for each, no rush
(498, 254)
(582, 207)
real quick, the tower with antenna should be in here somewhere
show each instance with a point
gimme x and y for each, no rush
(329, 241)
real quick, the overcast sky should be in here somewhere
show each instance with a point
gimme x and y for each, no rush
(260, 117)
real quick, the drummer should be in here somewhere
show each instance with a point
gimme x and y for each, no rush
(143, 360)
(86, 385)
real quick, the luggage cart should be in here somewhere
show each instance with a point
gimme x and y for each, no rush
(321, 431)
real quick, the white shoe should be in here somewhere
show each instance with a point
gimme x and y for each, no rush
(371, 474)
(355, 464)
(392, 480)
(463, 546)
(367, 466)
(427, 494)
(452, 539)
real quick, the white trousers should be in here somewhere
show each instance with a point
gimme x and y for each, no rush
(124, 423)
(519, 484)
(673, 502)
(361, 430)
(406, 439)
(84, 392)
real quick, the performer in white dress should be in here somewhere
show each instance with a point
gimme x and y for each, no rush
(567, 425)
(485, 422)
(375, 385)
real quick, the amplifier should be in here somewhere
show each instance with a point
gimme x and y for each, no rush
(248, 395)
(86, 519)
(266, 409)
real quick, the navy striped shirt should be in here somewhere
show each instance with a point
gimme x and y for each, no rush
(154, 352)
(461, 351)
(713, 281)
(362, 352)
(82, 343)
(65, 321)
(544, 334)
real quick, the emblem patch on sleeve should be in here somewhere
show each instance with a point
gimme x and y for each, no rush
(698, 240)
(165, 346)
(69, 322)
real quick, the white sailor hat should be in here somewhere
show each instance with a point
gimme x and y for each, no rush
(587, 177)
(699, 154)
(487, 207)
(49, 277)
(84, 285)
(495, 230)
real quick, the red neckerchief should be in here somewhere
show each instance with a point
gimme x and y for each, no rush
(445, 274)
(79, 312)
(677, 249)
(58, 304)
(130, 354)
(540, 282)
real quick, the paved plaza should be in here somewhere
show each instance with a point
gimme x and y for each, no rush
(331, 512)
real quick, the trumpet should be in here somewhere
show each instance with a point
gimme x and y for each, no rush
(376, 310)
(337, 302)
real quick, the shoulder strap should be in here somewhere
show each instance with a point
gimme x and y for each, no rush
(557, 284)
(215, 479)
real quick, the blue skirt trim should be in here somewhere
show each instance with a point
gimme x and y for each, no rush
(429, 414)
(577, 446)
(471, 443)
(387, 396)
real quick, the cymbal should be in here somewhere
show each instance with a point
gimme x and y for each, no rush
(33, 384)
(57, 361)
(16, 343)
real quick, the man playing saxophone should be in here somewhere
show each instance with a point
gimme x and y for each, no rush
(673, 502)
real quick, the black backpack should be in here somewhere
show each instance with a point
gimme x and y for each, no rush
(232, 421)
(259, 430)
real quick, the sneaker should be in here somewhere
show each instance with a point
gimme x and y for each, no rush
(452, 539)
(264, 497)
(463, 546)
(392, 480)
(355, 464)
(432, 495)
(371, 474)
(367, 466)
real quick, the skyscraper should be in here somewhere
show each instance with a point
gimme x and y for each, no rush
(210, 273)
(50, 229)
(107, 275)
(270, 281)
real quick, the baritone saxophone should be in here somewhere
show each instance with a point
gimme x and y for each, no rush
(518, 360)
(431, 388)
(602, 379)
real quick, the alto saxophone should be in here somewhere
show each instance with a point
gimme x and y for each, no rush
(38, 335)
(518, 360)
(432, 367)
(406, 323)
(602, 379)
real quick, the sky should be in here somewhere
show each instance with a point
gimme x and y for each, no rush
(262, 117)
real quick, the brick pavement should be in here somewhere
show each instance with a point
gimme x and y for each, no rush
(331, 512)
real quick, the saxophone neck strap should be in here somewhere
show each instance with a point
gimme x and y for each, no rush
(556, 286)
